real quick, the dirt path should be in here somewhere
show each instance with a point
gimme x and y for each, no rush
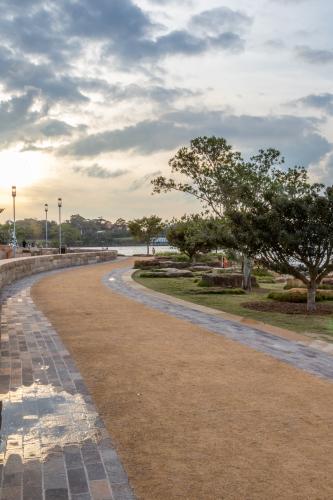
(193, 415)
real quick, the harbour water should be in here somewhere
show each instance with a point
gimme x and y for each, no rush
(132, 250)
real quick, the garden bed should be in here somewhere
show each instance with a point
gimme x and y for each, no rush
(318, 325)
(287, 307)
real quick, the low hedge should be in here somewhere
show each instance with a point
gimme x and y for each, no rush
(299, 295)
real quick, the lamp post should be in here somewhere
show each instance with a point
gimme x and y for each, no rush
(59, 206)
(46, 208)
(14, 217)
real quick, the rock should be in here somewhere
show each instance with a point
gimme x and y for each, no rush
(168, 273)
(200, 268)
(226, 280)
(174, 265)
(178, 273)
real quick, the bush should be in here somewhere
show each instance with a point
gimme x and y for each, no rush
(146, 264)
(261, 271)
(177, 257)
(265, 279)
(292, 283)
(299, 295)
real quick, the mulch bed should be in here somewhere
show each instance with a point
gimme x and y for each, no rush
(287, 307)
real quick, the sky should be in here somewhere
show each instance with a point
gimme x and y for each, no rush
(97, 95)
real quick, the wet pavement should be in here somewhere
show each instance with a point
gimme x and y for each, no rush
(54, 445)
(295, 353)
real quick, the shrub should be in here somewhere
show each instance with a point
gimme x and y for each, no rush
(265, 279)
(175, 256)
(261, 271)
(299, 295)
(294, 283)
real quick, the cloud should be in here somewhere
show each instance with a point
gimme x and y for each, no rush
(290, 1)
(323, 102)
(16, 116)
(98, 172)
(323, 170)
(314, 56)
(221, 18)
(180, 42)
(247, 132)
(141, 181)
(17, 74)
(56, 128)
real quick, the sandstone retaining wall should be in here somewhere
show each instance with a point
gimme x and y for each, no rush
(15, 269)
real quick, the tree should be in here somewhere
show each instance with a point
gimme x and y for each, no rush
(193, 234)
(219, 178)
(291, 229)
(145, 229)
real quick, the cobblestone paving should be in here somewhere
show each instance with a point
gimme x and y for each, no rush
(54, 446)
(292, 352)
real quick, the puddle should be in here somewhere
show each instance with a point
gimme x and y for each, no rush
(38, 418)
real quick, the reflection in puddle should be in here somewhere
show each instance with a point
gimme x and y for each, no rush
(38, 418)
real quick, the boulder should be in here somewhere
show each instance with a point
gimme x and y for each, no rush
(168, 273)
(200, 268)
(234, 280)
(174, 265)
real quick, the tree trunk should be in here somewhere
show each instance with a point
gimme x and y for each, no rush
(148, 248)
(193, 259)
(247, 269)
(311, 302)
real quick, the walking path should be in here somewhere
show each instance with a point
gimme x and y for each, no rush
(54, 445)
(195, 412)
(292, 352)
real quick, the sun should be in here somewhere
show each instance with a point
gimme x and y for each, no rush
(22, 169)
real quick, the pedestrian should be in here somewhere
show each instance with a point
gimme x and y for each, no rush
(153, 251)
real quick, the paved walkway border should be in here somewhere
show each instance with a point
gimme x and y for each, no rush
(297, 353)
(54, 444)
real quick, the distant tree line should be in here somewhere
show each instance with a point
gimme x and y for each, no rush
(76, 231)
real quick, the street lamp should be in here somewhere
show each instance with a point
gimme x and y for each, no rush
(59, 206)
(46, 208)
(14, 216)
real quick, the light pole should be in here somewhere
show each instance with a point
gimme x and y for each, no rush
(14, 216)
(59, 206)
(46, 208)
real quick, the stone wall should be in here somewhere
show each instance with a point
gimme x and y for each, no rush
(15, 269)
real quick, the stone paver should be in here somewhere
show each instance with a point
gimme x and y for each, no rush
(54, 445)
(295, 353)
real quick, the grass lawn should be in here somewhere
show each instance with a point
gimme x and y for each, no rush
(314, 326)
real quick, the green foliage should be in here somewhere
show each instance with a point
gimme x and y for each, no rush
(265, 279)
(261, 271)
(193, 234)
(152, 273)
(274, 214)
(175, 257)
(299, 295)
(77, 231)
(146, 228)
